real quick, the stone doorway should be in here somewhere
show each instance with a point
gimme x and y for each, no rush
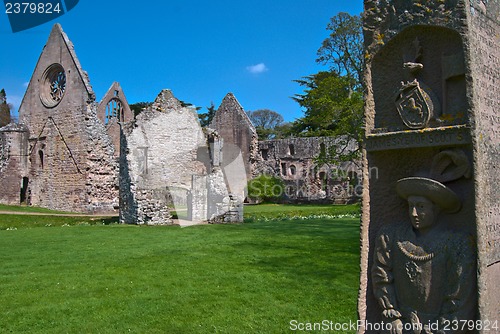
(24, 196)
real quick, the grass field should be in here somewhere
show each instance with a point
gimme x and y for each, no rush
(23, 208)
(247, 278)
(278, 211)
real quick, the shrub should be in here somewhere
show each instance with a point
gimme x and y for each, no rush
(265, 188)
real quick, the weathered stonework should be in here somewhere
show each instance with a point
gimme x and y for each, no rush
(70, 163)
(240, 139)
(113, 109)
(432, 71)
(483, 54)
(166, 160)
(294, 161)
(13, 163)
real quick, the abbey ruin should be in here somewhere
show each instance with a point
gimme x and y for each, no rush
(71, 153)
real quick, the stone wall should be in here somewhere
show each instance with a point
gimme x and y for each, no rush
(164, 148)
(294, 161)
(113, 109)
(430, 77)
(13, 164)
(72, 148)
(240, 139)
(169, 162)
(71, 156)
(483, 51)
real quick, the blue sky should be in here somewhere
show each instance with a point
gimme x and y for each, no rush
(201, 50)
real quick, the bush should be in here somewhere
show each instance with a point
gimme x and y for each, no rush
(265, 188)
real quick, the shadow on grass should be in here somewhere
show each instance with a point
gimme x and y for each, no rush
(110, 220)
(285, 249)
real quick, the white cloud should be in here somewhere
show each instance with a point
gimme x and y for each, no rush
(257, 69)
(25, 85)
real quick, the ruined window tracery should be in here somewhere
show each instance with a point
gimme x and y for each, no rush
(114, 109)
(53, 85)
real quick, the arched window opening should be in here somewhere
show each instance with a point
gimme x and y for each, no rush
(293, 170)
(114, 109)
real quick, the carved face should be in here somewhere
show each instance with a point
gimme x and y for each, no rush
(423, 212)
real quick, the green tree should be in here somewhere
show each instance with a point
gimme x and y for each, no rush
(333, 100)
(342, 51)
(284, 130)
(331, 108)
(266, 188)
(4, 109)
(207, 117)
(138, 107)
(187, 104)
(265, 121)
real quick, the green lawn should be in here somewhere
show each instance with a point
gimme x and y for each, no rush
(289, 211)
(24, 208)
(247, 278)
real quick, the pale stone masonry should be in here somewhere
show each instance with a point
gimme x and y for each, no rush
(169, 162)
(161, 149)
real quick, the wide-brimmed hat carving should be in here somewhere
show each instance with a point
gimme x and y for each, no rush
(431, 189)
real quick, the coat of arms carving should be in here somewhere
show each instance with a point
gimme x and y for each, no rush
(414, 105)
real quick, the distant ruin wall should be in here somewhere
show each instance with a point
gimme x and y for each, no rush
(294, 161)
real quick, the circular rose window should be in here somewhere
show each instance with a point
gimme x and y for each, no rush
(53, 85)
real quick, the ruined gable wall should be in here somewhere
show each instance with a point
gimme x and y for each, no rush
(234, 126)
(162, 148)
(114, 98)
(63, 137)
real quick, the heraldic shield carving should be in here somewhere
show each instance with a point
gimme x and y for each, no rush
(414, 105)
